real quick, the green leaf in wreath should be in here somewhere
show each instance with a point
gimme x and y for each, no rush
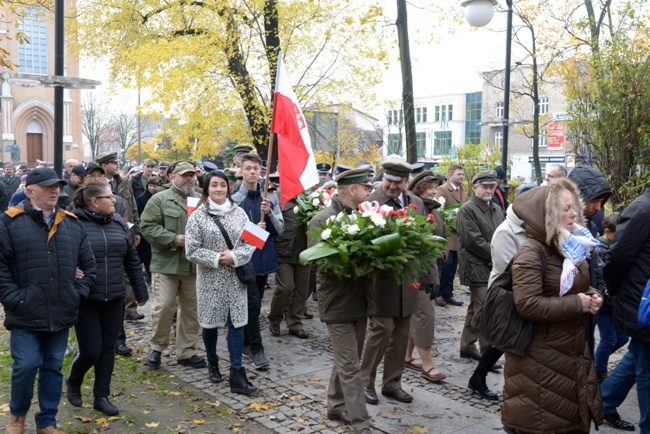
(318, 251)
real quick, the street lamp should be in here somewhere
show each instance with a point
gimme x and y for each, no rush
(479, 13)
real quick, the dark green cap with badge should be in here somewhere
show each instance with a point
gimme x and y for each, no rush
(242, 149)
(106, 157)
(485, 177)
(396, 168)
(354, 176)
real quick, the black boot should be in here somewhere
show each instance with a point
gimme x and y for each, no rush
(213, 370)
(477, 384)
(239, 383)
(73, 393)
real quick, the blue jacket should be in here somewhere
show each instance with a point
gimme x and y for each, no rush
(264, 261)
(38, 285)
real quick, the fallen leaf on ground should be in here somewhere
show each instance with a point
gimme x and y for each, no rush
(101, 421)
(84, 419)
(152, 424)
(199, 421)
(418, 430)
(258, 406)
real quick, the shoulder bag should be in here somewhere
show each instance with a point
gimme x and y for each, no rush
(245, 273)
(497, 318)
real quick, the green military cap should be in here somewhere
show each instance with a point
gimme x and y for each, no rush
(106, 157)
(354, 176)
(163, 164)
(396, 168)
(242, 149)
(184, 167)
(231, 173)
(424, 176)
(485, 177)
(149, 162)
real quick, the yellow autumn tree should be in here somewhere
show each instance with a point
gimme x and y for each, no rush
(212, 64)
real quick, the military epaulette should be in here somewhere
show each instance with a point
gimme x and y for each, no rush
(14, 212)
(69, 214)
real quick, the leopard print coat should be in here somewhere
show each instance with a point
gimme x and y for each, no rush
(218, 289)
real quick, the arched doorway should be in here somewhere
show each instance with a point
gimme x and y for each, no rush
(34, 141)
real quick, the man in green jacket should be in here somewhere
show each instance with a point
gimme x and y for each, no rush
(343, 306)
(476, 222)
(163, 226)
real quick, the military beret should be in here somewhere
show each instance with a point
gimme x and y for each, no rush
(106, 157)
(354, 176)
(485, 177)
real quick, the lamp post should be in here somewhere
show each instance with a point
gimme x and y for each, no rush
(479, 13)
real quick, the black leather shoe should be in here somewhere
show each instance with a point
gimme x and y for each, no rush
(274, 329)
(398, 395)
(299, 334)
(441, 301)
(340, 416)
(453, 301)
(471, 354)
(73, 393)
(105, 406)
(153, 359)
(478, 385)
(370, 395)
(193, 362)
(615, 420)
(121, 349)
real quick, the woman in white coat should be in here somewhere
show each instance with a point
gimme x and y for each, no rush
(221, 297)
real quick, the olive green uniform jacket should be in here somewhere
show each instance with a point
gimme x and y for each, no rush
(165, 217)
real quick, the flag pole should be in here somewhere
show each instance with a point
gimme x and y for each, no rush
(270, 153)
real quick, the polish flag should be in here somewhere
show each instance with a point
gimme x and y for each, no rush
(254, 235)
(297, 166)
(192, 203)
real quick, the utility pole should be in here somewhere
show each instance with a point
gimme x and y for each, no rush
(407, 82)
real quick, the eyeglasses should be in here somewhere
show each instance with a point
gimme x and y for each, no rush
(103, 197)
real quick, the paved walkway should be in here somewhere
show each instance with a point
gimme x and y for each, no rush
(292, 392)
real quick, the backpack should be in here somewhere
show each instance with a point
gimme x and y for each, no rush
(644, 308)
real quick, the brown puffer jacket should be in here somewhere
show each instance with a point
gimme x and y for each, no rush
(554, 387)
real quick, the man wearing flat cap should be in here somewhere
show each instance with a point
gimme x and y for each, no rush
(76, 179)
(41, 248)
(394, 302)
(476, 222)
(344, 308)
(139, 181)
(163, 225)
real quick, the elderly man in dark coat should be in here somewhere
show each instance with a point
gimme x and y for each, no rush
(343, 305)
(395, 303)
(476, 222)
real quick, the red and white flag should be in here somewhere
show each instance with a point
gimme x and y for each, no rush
(254, 235)
(297, 166)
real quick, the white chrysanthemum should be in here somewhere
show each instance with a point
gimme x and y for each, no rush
(326, 234)
(368, 214)
(386, 208)
(340, 216)
(441, 200)
(315, 202)
(295, 209)
(378, 220)
(330, 219)
(315, 194)
(353, 229)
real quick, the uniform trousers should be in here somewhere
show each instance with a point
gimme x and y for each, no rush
(470, 335)
(290, 296)
(166, 288)
(345, 390)
(387, 338)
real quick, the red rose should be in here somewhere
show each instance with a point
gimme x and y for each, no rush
(413, 206)
(431, 218)
(415, 285)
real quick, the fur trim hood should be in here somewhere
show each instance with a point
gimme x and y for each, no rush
(540, 209)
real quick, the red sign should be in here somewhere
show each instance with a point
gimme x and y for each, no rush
(555, 136)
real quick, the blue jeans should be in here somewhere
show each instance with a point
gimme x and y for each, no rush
(610, 341)
(447, 274)
(235, 343)
(633, 367)
(42, 353)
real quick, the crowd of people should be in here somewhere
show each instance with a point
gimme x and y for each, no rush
(83, 251)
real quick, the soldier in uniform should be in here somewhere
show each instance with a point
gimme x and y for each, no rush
(343, 305)
(239, 151)
(394, 302)
(453, 192)
(323, 170)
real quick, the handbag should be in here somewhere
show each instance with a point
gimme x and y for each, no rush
(497, 318)
(245, 273)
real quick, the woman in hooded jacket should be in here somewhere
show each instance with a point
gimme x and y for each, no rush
(554, 387)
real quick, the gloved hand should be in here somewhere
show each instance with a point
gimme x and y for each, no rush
(433, 289)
